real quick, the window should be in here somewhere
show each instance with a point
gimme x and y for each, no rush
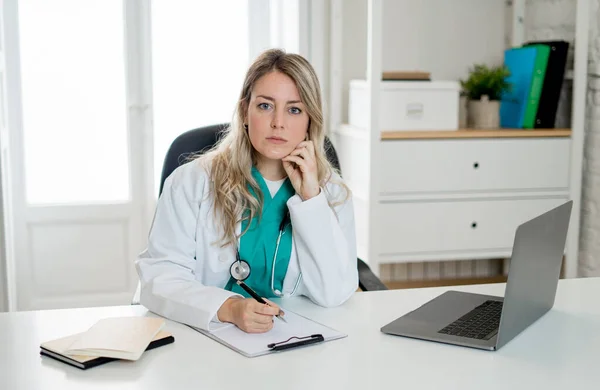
(74, 84)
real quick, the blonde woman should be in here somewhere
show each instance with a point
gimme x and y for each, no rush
(265, 194)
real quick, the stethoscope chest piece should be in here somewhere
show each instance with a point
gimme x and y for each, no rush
(240, 270)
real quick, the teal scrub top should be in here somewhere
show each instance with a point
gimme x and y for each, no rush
(257, 245)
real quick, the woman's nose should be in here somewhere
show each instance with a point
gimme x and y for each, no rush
(277, 120)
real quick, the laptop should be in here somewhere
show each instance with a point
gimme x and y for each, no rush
(489, 322)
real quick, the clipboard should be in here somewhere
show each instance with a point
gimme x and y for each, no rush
(299, 331)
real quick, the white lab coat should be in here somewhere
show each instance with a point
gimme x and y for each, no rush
(183, 271)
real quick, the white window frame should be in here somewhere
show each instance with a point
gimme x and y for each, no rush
(11, 141)
(138, 51)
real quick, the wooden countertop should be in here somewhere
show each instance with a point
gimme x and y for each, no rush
(474, 133)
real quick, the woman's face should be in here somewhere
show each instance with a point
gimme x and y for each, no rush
(277, 119)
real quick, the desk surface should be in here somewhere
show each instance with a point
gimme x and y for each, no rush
(560, 350)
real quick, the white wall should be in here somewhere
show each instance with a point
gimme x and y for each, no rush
(442, 37)
(354, 47)
(3, 284)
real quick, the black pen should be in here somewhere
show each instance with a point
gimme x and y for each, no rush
(254, 295)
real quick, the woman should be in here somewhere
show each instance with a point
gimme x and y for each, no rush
(268, 175)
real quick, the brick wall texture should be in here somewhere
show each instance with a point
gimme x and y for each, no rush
(555, 19)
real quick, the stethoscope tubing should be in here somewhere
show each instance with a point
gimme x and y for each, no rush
(240, 269)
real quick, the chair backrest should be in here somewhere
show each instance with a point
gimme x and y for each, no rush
(202, 139)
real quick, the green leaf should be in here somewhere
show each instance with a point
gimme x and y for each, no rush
(485, 80)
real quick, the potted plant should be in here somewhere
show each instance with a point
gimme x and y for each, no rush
(483, 89)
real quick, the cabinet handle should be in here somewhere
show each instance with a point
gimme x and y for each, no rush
(475, 165)
(474, 225)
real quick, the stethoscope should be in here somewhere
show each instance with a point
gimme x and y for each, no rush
(240, 269)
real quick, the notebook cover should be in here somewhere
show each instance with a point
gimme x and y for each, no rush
(537, 82)
(520, 62)
(553, 81)
(85, 362)
(117, 337)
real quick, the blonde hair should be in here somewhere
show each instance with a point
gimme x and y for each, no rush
(230, 160)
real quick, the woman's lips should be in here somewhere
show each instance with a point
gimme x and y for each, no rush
(276, 140)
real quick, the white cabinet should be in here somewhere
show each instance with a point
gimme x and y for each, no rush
(451, 197)
(472, 227)
(450, 166)
(423, 191)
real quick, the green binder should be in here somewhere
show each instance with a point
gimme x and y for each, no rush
(537, 83)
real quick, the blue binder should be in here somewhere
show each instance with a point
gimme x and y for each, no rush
(520, 62)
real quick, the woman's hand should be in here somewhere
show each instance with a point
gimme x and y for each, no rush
(248, 314)
(301, 168)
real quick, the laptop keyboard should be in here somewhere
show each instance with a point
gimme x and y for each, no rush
(480, 323)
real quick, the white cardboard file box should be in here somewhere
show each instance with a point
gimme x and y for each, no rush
(408, 105)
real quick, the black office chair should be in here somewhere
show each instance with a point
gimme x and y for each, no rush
(202, 139)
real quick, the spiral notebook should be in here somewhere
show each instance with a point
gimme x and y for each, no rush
(298, 332)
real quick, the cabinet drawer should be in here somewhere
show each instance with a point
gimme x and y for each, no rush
(416, 227)
(418, 166)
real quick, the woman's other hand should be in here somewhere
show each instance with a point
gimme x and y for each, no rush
(301, 167)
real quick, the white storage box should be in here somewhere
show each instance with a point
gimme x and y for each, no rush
(408, 105)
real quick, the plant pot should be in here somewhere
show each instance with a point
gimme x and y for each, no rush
(462, 112)
(483, 114)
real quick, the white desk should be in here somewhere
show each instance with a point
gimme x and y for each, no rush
(562, 349)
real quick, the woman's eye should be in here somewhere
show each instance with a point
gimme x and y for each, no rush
(264, 106)
(295, 110)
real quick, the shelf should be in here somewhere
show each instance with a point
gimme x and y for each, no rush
(475, 133)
